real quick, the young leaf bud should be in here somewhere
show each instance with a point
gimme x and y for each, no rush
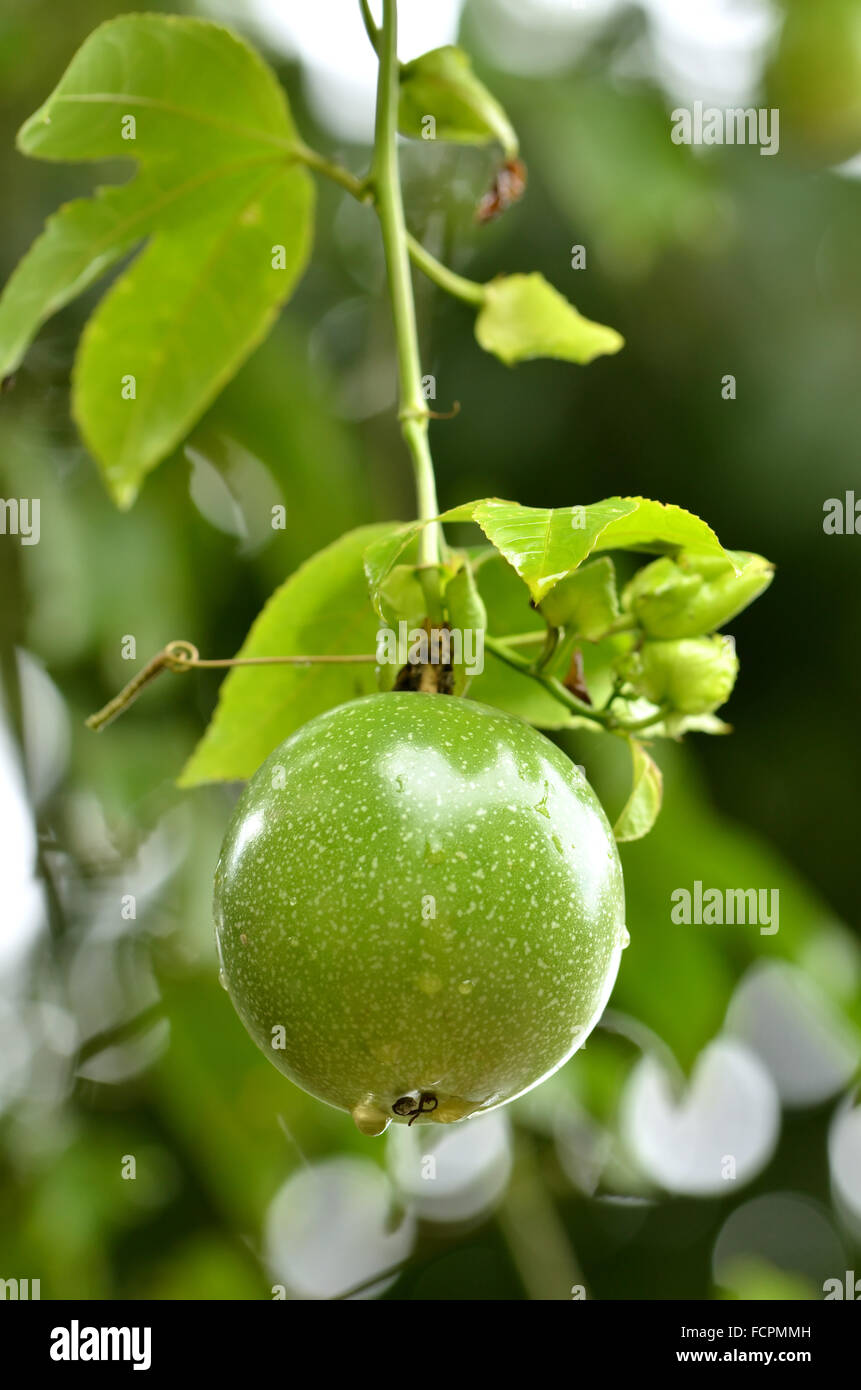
(688, 595)
(694, 675)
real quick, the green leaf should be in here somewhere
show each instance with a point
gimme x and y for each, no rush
(524, 317)
(466, 614)
(586, 603)
(442, 84)
(531, 539)
(509, 613)
(505, 598)
(599, 668)
(80, 242)
(183, 319)
(644, 803)
(322, 609)
(217, 194)
(660, 527)
(544, 545)
(191, 86)
(402, 598)
(381, 557)
(463, 601)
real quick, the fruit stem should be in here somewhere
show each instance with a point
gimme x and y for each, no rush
(413, 413)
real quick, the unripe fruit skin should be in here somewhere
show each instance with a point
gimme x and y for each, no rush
(425, 895)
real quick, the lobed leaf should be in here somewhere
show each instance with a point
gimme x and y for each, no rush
(217, 191)
(81, 241)
(184, 317)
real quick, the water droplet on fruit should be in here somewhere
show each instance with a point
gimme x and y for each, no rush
(429, 984)
(370, 1119)
(557, 843)
(465, 987)
(222, 979)
(625, 938)
(434, 853)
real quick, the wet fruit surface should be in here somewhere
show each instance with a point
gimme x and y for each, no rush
(419, 908)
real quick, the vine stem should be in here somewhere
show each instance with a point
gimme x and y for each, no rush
(360, 189)
(184, 656)
(386, 180)
(553, 686)
(500, 647)
(470, 291)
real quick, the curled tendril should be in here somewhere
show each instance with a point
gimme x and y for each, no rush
(427, 1102)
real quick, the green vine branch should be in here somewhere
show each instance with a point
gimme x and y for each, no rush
(554, 687)
(390, 209)
(181, 656)
(360, 189)
(470, 291)
(381, 188)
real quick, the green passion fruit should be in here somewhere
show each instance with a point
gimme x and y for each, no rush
(419, 908)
